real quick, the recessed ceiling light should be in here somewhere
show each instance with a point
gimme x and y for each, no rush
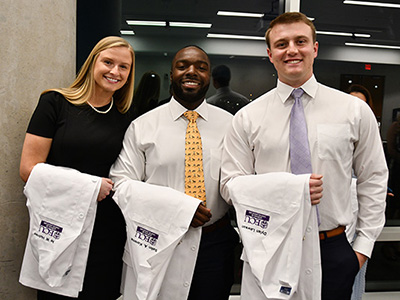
(233, 36)
(127, 32)
(372, 46)
(343, 34)
(367, 3)
(146, 23)
(192, 25)
(239, 14)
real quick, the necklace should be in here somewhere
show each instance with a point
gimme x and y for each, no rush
(100, 111)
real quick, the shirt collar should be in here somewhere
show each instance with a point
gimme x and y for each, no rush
(178, 109)
(310, 88)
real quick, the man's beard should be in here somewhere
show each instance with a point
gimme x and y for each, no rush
(189, 97)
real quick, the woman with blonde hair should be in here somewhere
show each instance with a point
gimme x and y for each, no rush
(82, 127)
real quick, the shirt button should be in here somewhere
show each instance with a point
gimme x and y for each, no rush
(193, 248)
(308, 229)
(308, 271)
(81, 215)
(186, 284)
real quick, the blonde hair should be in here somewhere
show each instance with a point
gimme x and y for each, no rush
(289, 18)
(82, 89)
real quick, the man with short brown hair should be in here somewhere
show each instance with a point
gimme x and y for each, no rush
(342, 135)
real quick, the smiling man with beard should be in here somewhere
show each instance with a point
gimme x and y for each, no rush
(190, 76)
(199, 264)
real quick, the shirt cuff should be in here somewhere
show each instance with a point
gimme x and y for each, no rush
(363, 245)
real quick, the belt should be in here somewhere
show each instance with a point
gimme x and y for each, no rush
(224, 221)
(331, 233)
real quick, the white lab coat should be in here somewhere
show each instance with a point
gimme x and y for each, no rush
(279, 231)
(62, 208)
(161, 250)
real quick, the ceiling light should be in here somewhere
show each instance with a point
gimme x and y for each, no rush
(366, 3)
(372, 46)
(232, 36)
(127, 32)
(147, 23)
(192, 25)
(360, 35)
(334, 33)
(239, 14)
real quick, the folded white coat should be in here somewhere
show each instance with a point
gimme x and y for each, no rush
(161, 247)
(62, 205)
(279, 231)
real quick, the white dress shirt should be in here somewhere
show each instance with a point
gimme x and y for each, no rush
(279, 231)
(154, 153)
(342, 133)
(62, 206)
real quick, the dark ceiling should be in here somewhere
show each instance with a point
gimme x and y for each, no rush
(330, 15)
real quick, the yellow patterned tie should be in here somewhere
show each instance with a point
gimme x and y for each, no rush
(194, 176)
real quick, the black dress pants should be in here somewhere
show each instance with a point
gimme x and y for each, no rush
(339, 268)
(214, 270)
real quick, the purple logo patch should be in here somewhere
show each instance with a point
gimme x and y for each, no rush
(257, 219)
(146, 235)
(51, 230)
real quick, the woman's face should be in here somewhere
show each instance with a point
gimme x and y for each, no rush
(111, 69)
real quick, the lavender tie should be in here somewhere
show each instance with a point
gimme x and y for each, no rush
(300, 157)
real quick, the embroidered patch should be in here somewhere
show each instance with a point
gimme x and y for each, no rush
(146, 235)
(285, 290)
(257, 219)
(48, 231)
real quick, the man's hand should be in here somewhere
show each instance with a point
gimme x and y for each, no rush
(361, 258)
(105, 188)
(202, 216)
(315, 188)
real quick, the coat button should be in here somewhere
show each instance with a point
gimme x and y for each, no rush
(308, 271)
(81, 215)
(308, 229)
(186, 284)
(193, 248)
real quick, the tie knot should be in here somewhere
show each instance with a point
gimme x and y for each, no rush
(191, 115)
(297, 93)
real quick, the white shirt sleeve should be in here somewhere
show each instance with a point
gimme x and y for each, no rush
(372, 175)
(237, 156)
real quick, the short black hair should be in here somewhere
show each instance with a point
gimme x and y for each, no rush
(188, 46)
(222, 74)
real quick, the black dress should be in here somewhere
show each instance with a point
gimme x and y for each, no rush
(89, 142)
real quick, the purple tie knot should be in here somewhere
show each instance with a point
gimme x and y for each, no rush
(297, 93)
